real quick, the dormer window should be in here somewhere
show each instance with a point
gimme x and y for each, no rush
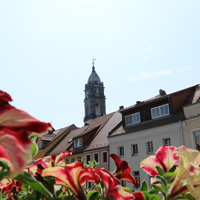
(160, 111)
(78, 143)
(132, 119)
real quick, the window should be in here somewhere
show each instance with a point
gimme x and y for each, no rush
(79, 159)
(72, 160)
(134, 149)
(77, 142)
(136, 174)
(167, 141)
(121, 151)
(197, 140)
(132, 119)
(96, 157)
(160, 111)
(67, 161)
(87, 158)
(149, 146)
(123, 183)
(104, 157)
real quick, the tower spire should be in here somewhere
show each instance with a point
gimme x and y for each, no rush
(93, 68)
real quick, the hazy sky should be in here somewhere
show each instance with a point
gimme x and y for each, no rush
(140, 46)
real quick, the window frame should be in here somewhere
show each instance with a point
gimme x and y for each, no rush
(79, 159)
(164, 141)
(132, 115)
(136, 176)
(132, 149)
(78, 143)
(160, 115)
(119, 151)
(194, 139)
(102, 157)
(87, 161)
(96, 153)
(147, 147)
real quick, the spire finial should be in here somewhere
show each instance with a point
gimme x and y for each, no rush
(93, 63)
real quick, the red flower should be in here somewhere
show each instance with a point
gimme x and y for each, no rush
(123, 171)
(113, 189)
(7, 185)
(15, 125)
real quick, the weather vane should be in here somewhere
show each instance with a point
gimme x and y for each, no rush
(93, 60)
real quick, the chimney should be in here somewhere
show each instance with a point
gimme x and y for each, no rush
(162, 92)
(121, 107)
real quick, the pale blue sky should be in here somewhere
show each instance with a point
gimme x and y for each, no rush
(140, 46)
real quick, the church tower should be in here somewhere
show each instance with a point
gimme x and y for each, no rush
(94, 98)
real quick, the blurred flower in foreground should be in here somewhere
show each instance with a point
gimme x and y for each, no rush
(48, 161)
(15, 126)
(10, 187)
(165, 158)
(188, 173)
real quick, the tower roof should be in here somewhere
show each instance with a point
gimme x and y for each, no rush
(94, 78)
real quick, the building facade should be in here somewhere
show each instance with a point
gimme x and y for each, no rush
(149, 124)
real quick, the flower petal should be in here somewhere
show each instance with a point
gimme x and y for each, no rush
(17, 148)
(4, 98)
(16, 119)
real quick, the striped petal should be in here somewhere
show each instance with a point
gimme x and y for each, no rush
(72, 176)
(48, 161)
(165, 158)
(19, 120)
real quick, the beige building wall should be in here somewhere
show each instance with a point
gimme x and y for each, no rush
(192, 115)
(174, 131)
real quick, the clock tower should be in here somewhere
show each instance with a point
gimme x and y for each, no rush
(94, 98)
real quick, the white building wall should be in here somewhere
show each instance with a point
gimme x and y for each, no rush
(173, 131)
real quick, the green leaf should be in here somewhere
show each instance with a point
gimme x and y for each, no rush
(144, 186)
(128, 189)
(93, 195)
(170, 174)
(160, 171)
(34, 148)
(173, 168)
(33, 135)
(162, 181)
(149, 196)
(160, 189)
(31, 181)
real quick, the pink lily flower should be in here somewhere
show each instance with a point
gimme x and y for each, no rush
(165, 158)
(48, 161)
(72, 176)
